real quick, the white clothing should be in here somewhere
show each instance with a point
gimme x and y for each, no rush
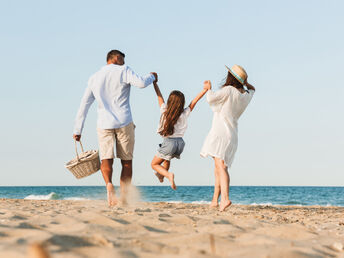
(110, 86)
(181, 125)
(222, 140)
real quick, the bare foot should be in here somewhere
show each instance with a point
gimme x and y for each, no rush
(171, 178)
(112, 200)
(224, 205)
(214, 205)
(160, 177)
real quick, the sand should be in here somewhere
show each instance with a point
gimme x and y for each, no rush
(91, 229)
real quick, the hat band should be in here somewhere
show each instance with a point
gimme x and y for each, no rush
(237, 76)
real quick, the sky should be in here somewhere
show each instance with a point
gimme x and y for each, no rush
(290, 134)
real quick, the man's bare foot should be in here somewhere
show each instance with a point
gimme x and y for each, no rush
(160, 177)
(171, 178)
(224, 205)
(112, 200)
(214, 205)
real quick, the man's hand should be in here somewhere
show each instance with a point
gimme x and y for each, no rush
(207, 85)
(156, 76)
(77, 137)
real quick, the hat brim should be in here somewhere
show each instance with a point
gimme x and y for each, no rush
(235, 75)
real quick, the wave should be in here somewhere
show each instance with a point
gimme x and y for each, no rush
(51, 196)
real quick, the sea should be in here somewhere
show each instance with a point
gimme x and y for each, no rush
(249, 195)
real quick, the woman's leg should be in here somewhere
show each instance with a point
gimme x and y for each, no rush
(217, 189)
(224, 183)
(156, 165)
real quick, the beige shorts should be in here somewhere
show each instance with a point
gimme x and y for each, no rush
(125, 140)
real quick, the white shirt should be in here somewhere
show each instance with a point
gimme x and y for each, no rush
(222, 140)
(110, 86)
(181, 125)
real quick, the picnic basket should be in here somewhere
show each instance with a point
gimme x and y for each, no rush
(84, 164)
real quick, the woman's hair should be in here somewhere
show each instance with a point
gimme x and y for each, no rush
(175, 107)
(232, 81)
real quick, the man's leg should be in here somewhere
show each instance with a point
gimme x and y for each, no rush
(106, 168)
(106, 149)
(126, 175)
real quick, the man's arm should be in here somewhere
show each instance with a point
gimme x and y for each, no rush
(158, 93)
(85, 104)
(138, 81)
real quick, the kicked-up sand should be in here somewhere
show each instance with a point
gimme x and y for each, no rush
(63, 228)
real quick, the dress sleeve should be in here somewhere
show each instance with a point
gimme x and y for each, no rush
(217, 97)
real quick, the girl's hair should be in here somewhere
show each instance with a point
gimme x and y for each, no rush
(175, 107)
(232, 81)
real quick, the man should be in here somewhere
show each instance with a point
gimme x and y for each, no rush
(110, 86)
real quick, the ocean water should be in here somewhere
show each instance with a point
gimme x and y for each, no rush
(252, 195)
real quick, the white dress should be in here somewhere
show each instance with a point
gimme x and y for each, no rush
(222, 140)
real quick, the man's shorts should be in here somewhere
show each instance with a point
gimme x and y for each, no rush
(125, 140)
(171, 148)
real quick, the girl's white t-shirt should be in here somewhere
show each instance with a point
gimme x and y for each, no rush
(181, 125)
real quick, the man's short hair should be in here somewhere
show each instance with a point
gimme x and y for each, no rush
(113, 53)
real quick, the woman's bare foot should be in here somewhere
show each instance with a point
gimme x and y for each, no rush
(160, 177)
(112, 200)
(171, 178)
(214, 205)
(224, 205)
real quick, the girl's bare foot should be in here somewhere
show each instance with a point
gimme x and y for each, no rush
(224, 205)
(112, 200)
(171, 178)
(160, 177)
(214, 205)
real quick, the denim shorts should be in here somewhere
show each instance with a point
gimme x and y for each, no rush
(171, 148)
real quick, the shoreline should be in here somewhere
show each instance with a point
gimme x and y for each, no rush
(68, 228)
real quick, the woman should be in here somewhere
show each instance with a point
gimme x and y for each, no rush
(222, 141)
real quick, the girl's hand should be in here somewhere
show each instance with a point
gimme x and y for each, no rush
(207, 85)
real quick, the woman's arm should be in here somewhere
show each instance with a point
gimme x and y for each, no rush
(158, 93)
(249, 86)
(207, 86)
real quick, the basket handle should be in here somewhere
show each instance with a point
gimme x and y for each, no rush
(76, 149)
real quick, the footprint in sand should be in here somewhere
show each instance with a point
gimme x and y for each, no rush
(222, 222)
(164, 215)
(151, 229)
(143, 210)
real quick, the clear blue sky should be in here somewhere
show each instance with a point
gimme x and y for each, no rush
(291, 133)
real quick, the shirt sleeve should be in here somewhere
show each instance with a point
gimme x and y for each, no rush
(138, 81)
(162, 108)
(187, 111)
(217, 97)
(85, 104)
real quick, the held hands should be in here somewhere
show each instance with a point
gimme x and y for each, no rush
(77, 137)
(207, 85)
(156, 77)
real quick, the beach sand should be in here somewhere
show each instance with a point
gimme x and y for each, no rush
(91, 229)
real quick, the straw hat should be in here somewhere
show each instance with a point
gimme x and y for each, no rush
(238, 72)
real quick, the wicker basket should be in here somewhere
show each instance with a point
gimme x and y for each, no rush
(84, 164)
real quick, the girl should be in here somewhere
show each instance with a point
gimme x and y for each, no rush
(172, 126)
(222, 141)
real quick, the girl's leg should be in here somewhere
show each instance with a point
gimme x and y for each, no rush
(217, 189)
(166, 165)
(156, 165)
(224, 183)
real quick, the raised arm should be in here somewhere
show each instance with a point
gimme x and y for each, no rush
(249, 86)
(138, 81)
(206, 87)
(158, 93)
(85, 104)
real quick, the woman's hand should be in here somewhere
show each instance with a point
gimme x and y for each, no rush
(207, 85)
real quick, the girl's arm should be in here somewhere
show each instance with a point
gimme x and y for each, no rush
(207, 86)
(158, 93)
